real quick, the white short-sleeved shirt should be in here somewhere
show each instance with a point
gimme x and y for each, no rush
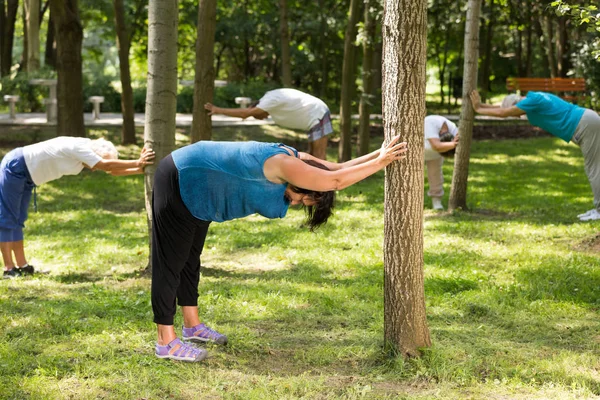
(60, 156)
(433, 125)
(293, 109)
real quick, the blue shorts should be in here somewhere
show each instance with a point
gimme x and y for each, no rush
(321, 129)
(16, 186)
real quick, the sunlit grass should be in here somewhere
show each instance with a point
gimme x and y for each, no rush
(511, 292)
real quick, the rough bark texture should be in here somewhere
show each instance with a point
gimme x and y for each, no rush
(161, 96)
(69, 36)
(123, 45)
(284, 34)
(348, 78)
(204, 81)
(404, 59)
(32, 16)
(458, 191)
(366, 98)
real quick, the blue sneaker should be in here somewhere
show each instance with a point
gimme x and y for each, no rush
(202, 333)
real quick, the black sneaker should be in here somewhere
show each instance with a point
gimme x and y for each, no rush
(26, 270)
(11, 273)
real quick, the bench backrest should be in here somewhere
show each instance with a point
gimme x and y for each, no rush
(546, 84)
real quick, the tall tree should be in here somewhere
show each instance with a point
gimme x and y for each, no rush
(348, 83)
(161, 96)
(124, 45)
(404, 60)
(487, 50)
(50, 50)
(547, 24)
(366, 97)
(458, 191)
(32, 17)
(69, 36)
(284, 35)
(204, 80)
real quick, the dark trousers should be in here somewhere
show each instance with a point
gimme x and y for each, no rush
(177, 242)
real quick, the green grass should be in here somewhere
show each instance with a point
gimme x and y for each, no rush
(512, 293)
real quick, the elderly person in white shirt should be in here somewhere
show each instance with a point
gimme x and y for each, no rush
(291, 109)
(24, 168)
(441, 139)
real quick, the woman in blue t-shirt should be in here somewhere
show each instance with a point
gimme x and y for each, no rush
(562, 119)
(220, 181)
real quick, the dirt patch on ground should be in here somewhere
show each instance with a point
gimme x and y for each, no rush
(590, 245)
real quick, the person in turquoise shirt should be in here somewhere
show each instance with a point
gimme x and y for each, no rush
(562, 119)
(219, 181)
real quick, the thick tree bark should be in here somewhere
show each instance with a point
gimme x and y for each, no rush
(348, 79)
(404, 78)
(32, 16)
(161, 96)
(69, 37)
(284, 34)
(458, 191)
(123, 45)
(366, 98)
(204, 81)
(50, 51)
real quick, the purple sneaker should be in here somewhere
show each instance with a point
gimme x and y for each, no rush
(182, 352)
(202, 333)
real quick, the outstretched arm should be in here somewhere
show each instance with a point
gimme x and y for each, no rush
(337, 166)
(243, 113)
(126, 167)
(491, 110)
(300, 174)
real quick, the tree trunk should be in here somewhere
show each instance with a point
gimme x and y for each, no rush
(284, 32)
(548, 30)
(404, 78)
(8, 35)
(204, 81)
(323, 50)
(161, 96)
(487, 58)
(69, 36)
(563, 50)
(23, 62)
(528, 43)
(458, 191)
(50, 51)
(367, 96)
(348, 82)
(32, 16)
(123, 45)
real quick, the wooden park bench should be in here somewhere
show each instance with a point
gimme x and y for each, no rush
(571, 89)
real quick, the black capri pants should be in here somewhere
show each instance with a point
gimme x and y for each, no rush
(177, 242)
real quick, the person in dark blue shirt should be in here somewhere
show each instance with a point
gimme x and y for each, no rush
(219, 181)
(562, 119)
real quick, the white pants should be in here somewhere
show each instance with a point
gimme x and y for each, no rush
(435, 177)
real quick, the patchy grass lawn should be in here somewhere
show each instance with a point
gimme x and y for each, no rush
(512, 292)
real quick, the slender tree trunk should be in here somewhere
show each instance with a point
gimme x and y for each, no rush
(548, 30)
(487, 57)
(8, 34)
(284, 32)
(123, 45)
(367, 96)
(323, 49)
(23, 62)
(32, 16)
(528, 43)
(161, 96)
(204, 81)
(404, 78)
(348, 82)
(50, 51)
(563, 49)
(458, 191)
(69, 37)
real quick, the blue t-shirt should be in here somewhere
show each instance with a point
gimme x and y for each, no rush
(552, 114)
(221, 181)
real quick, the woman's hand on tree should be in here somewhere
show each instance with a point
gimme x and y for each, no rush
(392, 151)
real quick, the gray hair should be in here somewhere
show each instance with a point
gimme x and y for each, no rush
(104, 149)
(511, 100)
